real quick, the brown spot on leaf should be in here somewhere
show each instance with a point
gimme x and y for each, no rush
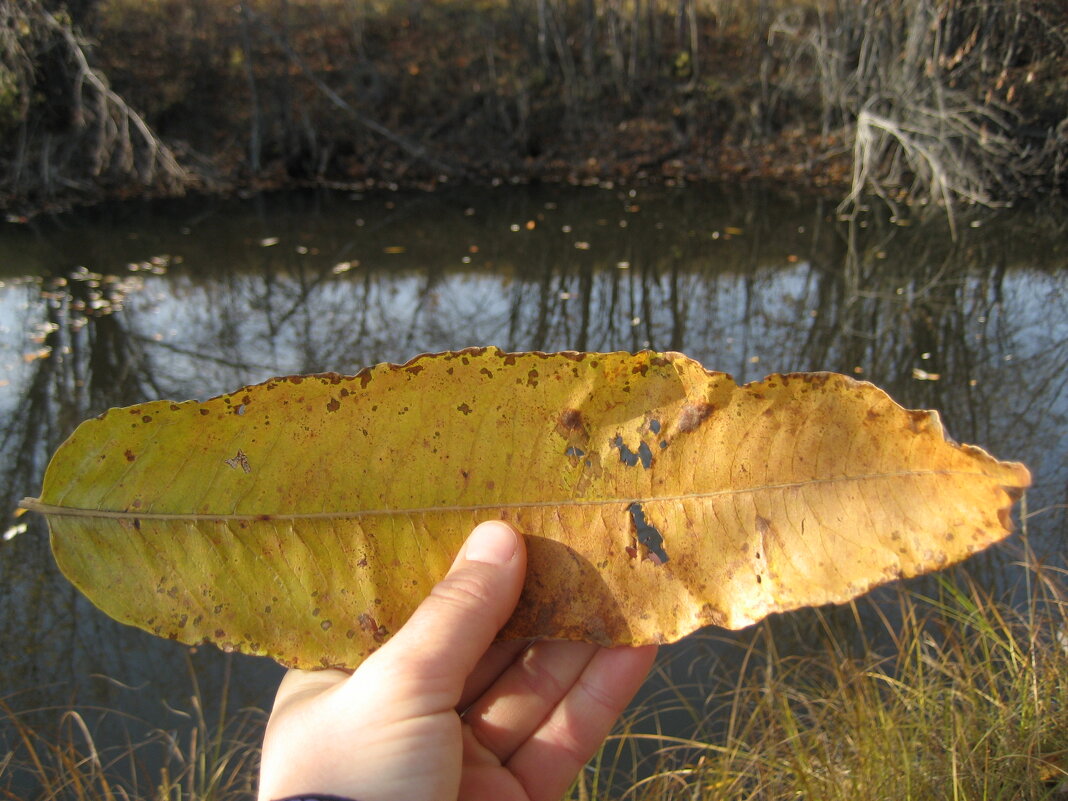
(570, 425)
(146, 419)
(130, 455)
(333, 405)
(463, 407)
(370, 625)
(693, 414)
(239, 460)
(918, 420)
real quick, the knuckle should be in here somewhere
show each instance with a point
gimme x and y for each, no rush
(541, 681)
(464, 589)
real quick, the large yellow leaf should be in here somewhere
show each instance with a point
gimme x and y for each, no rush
(304, 518)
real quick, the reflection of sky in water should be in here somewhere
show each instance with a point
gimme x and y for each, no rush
(988, 316)
(400, 318)
(19, 314)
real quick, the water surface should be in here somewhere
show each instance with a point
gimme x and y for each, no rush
(120, 304)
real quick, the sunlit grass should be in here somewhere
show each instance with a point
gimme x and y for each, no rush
(53, 755)
(955, 694)
(949, 692)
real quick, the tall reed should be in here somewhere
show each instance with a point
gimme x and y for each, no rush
(52, 754)
(943, 689)
(958, 692)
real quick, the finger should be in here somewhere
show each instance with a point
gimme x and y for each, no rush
(513, 708)
(549, 761)
(429, 659)
(493, 663)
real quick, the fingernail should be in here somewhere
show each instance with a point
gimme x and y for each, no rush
(492, 542)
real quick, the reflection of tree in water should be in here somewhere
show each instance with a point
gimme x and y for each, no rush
(86, 362)
(954, 325)
(963, 327)
(90, 357)
(789, 291)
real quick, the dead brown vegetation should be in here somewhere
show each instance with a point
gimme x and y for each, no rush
(947, 101)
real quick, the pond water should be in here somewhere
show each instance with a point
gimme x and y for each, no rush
(119, 304)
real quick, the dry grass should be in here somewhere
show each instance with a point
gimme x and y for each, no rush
(955, 694)
(54, 756)
(952, 691)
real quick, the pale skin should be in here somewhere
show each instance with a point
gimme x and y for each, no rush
(443, 712)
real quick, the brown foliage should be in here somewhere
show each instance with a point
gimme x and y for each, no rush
(951, 100)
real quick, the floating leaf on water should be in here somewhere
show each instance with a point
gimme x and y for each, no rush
(14, 531)
(35, 355)
(923, 375)
(304, 518)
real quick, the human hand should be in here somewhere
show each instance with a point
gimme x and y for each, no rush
(441, 711)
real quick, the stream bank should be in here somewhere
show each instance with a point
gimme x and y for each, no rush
(913, 100)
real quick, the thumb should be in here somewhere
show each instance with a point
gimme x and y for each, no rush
(449, 632)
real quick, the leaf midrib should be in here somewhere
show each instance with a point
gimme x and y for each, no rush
(36, 505)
